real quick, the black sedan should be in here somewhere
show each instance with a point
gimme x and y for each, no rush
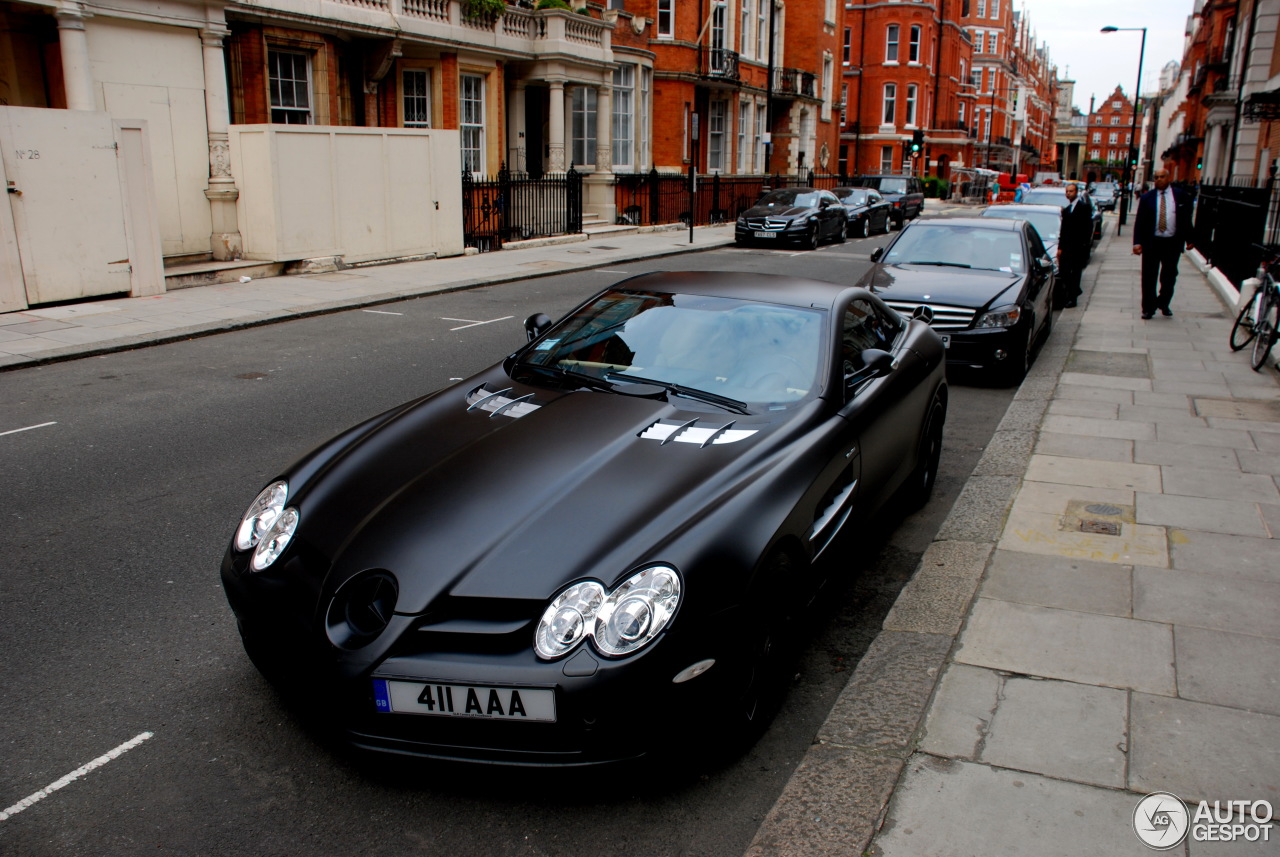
(985, 284)
(1047, 219)
(796, 215)
(1052, 195)
(866, 210)
(596, 548)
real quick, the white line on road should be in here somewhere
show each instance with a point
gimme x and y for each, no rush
(474, 323)
(28, 428)
(607, 271)
(73, 776)
(382, 312)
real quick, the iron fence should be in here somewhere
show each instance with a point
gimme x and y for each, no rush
(654, 198)
(514, 206)
(1231, 220)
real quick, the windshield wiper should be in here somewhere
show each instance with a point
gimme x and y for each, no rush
(681, 390)
(566, 375)
(945, 264)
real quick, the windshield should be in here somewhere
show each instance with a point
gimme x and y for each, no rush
(854, 195)
(1045, 196)
(740, 350)
(1104, 187)
(790, 198)
(1045, 222)
(893, 185)
(934, 243)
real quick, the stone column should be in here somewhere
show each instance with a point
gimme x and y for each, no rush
(74, 45)
(604, 128)
(555, 129)
(517, 142)
(225, 242)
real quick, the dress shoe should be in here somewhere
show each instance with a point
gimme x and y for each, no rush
(1166, 312)
(1069, 305)
(1147, 315)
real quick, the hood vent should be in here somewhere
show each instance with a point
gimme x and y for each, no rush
(691, 432)
(480, 399)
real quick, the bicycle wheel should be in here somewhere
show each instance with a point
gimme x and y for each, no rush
(1266, 327)
(1242, 331)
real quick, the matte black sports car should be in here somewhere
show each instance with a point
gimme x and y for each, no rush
(797, 215)
(867, 211)
(597, 546)
(985, 284)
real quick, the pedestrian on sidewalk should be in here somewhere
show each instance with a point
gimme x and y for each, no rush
(1160, 231)
(1074, 237)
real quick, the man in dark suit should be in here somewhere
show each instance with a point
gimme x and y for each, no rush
(1160, 231)
(1075, 236)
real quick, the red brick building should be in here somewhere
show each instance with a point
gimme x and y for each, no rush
(1108, 137)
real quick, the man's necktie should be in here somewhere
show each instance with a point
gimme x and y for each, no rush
(1163, 225)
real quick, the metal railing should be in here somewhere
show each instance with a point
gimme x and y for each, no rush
(718, 62)
(794, 81)
(514, 206)
(1231, 218)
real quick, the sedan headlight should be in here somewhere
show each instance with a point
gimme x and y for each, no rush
(1004, 316)
(275, 540)
(742, 221)
(619, 622)
(262, 513)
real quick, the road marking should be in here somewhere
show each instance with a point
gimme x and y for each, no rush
(608, 271)
(73, 776)
(473, 323)
(382, 312)
(28, 428)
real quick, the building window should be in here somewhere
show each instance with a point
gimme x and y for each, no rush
(913, 49)
(624, 94)
(995, 8)
(584, 125)
(762, 29)
(719, 34)
(744, 137)
(891, 43)
(911, 104)
(716, 120)
(847, 56)
(1115, 120)
(982, 8)
(472, 123)
(1094, 154)
(1114, 138)
(886, 159)
(975, 78)
(744, 24)
(1116, 105)
(890, 104)
(762, 118)
(961, 114)
(828, 83)
(1097, 136)
(844, 103)
(993, 42)
(416, 84)
(666, 19)
(289, 75)
(830, 13)
(646, 86)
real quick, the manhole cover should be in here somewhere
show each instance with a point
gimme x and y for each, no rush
(1238, 409)
(1102, 528)
(1103, 509)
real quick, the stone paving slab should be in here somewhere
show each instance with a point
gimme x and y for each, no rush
(1222, 668)
(1054, 581)
(1217, 601)
(1217, 553)
(1219, 484)
(1198, 513)
(1074, 446)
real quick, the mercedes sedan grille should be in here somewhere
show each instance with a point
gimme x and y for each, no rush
(944, 317)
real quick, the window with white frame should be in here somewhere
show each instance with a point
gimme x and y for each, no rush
(846, 58)
(1115, 120)
(744, 137)
(744, 28)
(828, 82)
(684, 132)
(583, 125)
(982, 8)
(642, 114)
(1113, 138)
(960, 115)
(844, 103)
(719, 34)
(471, 122)
(763, 9)
(891, 43)
(993, 43)
(912, 91)
(289, 77)
(888, 114)
(624, 120)
(830, 11)
(1094, 154)
(975, 77)
(886, 159)
(913, 47)
(1097, 136)
(666, 19)
(416, 97)
(757, 145)
(995, 8)
(717, 119)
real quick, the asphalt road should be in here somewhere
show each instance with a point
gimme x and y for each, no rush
(113, 520)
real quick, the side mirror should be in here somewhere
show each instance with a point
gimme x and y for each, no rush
(536, 325)
(876, 254)
(875, 364)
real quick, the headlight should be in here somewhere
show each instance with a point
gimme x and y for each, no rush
(275, 540)
(262, 513)
(742, 221)
(619, 623)
(1005, 316)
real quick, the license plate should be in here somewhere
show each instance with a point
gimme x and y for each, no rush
(765, 234)
(946, 340)
(464, 700)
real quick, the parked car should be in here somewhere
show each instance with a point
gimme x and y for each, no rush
(1047, 220)
(984, 284)
(800, 215)
(1105, 195)
(905, 193)
(1058, 196)
(866, 210)
(600, 546)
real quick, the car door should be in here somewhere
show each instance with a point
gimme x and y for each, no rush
(1040, 277)
(833, 214)
(878, 212)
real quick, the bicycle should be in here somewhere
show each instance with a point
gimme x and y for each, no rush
(1259, 319)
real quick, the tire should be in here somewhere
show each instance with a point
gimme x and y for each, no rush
(925, 474)
(1267, 327)
(1019, 364)
(812, 241)
(859, 228)
(1243, 331)
(842, 233)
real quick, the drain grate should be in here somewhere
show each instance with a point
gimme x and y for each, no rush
(1103, 509)
(1101, 528)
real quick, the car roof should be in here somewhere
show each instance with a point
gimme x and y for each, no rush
(766, 288)
(979, 222)
(1020, 206)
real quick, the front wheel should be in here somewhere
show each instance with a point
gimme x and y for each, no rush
(1266, 328)
(811, 240)
(1243, 332)
(842, 233)
(858, 228)
(925, 474)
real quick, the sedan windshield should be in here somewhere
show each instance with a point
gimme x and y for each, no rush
(1045, 196)
(736, 351)
(1046, 223)
(852, 195)
(940, 243)
(790, 198)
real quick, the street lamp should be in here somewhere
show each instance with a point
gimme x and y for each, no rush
(1133, 129)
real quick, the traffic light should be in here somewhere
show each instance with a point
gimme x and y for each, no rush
(917, 142)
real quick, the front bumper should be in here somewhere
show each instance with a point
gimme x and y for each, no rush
(989, 349)
(795, 234)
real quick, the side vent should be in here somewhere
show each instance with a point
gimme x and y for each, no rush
(480, 399)
(691, 432)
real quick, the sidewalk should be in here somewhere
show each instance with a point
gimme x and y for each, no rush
(1098, 618)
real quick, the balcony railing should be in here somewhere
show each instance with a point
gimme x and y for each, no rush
(718, 62)
(440, 16)
(788, 82)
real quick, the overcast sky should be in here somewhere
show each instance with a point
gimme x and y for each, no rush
(1098, 61)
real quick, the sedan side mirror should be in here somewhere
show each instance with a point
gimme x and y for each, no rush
(875, 364)
(536, 325)
(876, 254)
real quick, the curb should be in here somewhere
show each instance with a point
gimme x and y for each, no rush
(835, 801)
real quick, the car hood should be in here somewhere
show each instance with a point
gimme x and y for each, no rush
(964, 287)
(517, 503)
(778, 211)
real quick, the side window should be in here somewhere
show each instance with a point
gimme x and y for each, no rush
(865, 326)
(1037, 246)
